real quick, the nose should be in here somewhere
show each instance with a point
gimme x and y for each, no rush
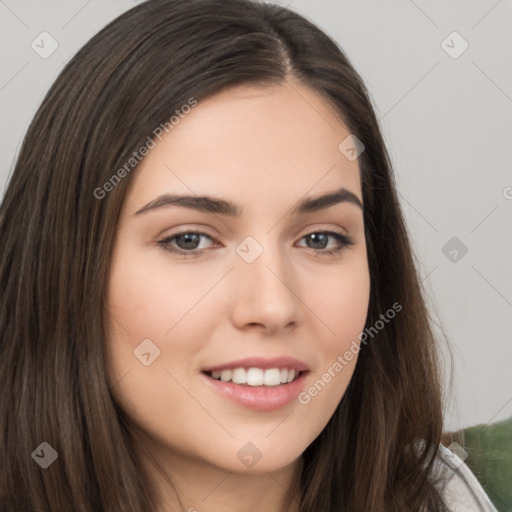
(266, 293)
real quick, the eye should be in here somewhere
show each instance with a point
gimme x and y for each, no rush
(319, 241)
(192, 243)
(187, 243)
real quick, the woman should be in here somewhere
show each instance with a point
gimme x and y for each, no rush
(209, 300)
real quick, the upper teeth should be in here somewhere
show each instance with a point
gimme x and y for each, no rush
(256, 376)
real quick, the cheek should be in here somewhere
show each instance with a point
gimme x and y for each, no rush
(342, 307)
(173, 306)
(157, 310)
(340, 302)
(151, 299)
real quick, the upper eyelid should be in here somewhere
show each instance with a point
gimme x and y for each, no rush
(214, 237)
(204, 231)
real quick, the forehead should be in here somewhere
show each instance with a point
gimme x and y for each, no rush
(280, 140)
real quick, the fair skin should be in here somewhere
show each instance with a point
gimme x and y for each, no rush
(266, 150)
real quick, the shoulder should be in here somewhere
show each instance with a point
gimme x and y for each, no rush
(458, 485)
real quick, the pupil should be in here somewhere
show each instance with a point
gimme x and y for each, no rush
(320, 239)
(189, 241)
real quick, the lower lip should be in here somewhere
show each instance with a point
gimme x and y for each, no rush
(259, 398)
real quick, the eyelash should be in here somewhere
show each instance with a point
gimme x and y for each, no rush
(344, 241)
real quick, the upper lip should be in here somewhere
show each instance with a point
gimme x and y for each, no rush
(260, 362)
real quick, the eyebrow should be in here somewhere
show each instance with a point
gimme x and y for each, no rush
(221, 206)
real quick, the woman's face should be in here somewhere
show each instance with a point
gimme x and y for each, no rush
(248, 277)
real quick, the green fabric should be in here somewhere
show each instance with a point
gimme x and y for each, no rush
(489, 449)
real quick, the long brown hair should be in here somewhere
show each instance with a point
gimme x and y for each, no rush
(376, 452)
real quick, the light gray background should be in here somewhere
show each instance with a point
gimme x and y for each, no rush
(447, 123)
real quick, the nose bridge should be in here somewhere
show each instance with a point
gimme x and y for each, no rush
(265, 281)
(263, 260)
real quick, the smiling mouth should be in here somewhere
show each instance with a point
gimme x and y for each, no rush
(253, 377)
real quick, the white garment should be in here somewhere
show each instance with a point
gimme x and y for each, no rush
(462, 491)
